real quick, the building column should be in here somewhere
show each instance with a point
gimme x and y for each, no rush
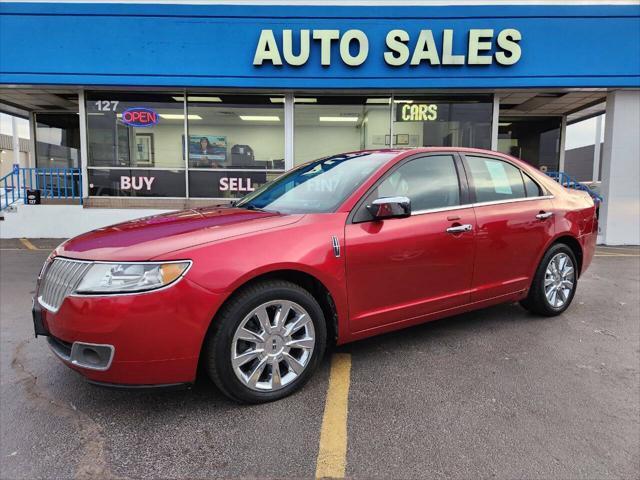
(620, 211)
(33, 162)
(596, 150)
(84, 148)
(561, 146)
(289, 119)
(15, 141)
(495, 122)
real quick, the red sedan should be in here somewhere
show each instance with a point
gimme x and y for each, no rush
(336, 250)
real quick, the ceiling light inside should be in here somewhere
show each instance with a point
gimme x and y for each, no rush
(338, 119)
(179, 116)
(296, 100)
(199, 99)
(259, 118)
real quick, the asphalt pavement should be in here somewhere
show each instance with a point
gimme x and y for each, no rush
(497, 393)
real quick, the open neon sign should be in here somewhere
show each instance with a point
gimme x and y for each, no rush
(140, 117)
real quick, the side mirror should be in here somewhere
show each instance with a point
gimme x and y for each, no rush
(390, 207)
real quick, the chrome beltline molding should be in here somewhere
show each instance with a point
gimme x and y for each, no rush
(480, 204)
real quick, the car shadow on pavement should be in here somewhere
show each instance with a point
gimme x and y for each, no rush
(458, 328)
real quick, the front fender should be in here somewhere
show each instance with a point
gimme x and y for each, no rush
(305, 246)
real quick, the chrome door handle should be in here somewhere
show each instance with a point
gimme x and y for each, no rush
(544, 215)
(460, 228)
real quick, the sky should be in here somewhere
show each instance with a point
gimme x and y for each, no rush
(583, 133)
(6, 129)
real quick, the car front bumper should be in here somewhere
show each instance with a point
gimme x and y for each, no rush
(151, 338)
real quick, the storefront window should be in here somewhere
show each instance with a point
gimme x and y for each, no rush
(439, 122)
(535, 140)
(330, 125)
(235, 143)
(229, 145)
(57, 140)
(135, 144)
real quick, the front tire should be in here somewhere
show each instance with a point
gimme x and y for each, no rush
(266, 342)
(554, 284)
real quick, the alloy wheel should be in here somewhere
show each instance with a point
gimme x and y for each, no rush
(559, 280)
(272, 345)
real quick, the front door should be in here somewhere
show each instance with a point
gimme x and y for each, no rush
(514, 223)
(406, 268)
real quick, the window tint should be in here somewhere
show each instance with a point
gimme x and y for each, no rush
(429, 182)
(531, 187)
(495, 180)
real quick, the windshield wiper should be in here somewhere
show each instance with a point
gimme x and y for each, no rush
(257, 209)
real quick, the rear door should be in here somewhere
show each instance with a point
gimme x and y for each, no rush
(405, 268)
(514, 223)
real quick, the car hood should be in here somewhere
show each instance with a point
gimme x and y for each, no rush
(149, 237)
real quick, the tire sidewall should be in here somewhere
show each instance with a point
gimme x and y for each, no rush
(221, 342)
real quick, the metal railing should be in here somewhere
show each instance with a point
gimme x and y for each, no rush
(54, 183)
(569, 182)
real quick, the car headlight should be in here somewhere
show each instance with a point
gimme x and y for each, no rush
(130, 277)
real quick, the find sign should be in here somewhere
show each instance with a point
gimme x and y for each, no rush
(140, 117)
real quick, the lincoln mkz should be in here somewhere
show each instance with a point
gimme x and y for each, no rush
(333, 251)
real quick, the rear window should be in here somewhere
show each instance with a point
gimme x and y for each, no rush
(495, 180)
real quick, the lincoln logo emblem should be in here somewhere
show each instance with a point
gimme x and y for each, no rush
(274, 345)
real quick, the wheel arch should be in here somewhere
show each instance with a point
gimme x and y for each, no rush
(573, 243)
(306, 280)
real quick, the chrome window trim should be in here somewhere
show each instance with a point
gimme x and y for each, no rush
(513, 200)
(479, 204)
(442, 209)
(119, 294)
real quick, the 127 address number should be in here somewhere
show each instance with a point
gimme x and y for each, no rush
(107, 105)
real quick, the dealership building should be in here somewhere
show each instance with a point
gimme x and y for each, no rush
(139, 107)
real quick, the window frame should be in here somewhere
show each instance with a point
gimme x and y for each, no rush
(472, 189)
(464, 191)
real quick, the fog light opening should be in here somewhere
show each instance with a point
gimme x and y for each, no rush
(90, 356)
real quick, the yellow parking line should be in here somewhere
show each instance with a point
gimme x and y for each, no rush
(28, 244)
(332, 454)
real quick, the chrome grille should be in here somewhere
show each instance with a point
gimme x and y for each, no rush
(59, 280)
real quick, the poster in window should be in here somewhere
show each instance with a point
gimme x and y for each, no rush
(144, 150)
(402, 139)
(207, 151)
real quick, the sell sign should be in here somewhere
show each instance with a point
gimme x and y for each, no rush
(140, 117)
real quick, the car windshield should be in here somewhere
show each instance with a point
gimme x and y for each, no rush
(316, 187)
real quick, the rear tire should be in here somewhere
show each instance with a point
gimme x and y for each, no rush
(266, 342)
(554, 283)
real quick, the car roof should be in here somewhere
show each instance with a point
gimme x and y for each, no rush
(413, 150)
(399, 153)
